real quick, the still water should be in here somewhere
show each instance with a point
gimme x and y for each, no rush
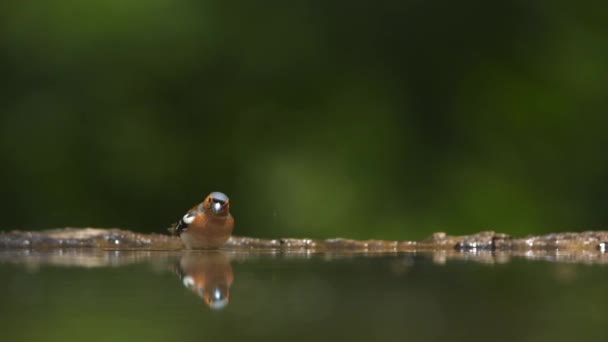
(89, 295)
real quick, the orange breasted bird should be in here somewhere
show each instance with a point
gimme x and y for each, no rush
(207, 225)
(208, 274)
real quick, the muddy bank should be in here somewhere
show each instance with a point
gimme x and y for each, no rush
(118, 239)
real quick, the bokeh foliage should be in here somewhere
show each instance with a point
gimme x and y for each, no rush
(387, 119)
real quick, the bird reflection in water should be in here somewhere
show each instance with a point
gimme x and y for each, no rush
(208, 274)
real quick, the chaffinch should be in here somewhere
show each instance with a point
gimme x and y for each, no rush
(207, 225)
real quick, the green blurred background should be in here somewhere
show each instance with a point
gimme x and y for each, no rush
(384, 119)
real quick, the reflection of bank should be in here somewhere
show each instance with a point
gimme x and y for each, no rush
(208, 274)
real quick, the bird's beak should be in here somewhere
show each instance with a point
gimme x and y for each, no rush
(216, 207)
(218, 299)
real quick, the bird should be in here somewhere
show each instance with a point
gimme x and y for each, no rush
(208, 225)
(208, 274)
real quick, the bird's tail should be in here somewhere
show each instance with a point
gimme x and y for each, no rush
(173, 229)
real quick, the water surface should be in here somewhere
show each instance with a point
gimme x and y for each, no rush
(92, 295)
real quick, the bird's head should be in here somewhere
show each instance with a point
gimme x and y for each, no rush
(217, 203)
